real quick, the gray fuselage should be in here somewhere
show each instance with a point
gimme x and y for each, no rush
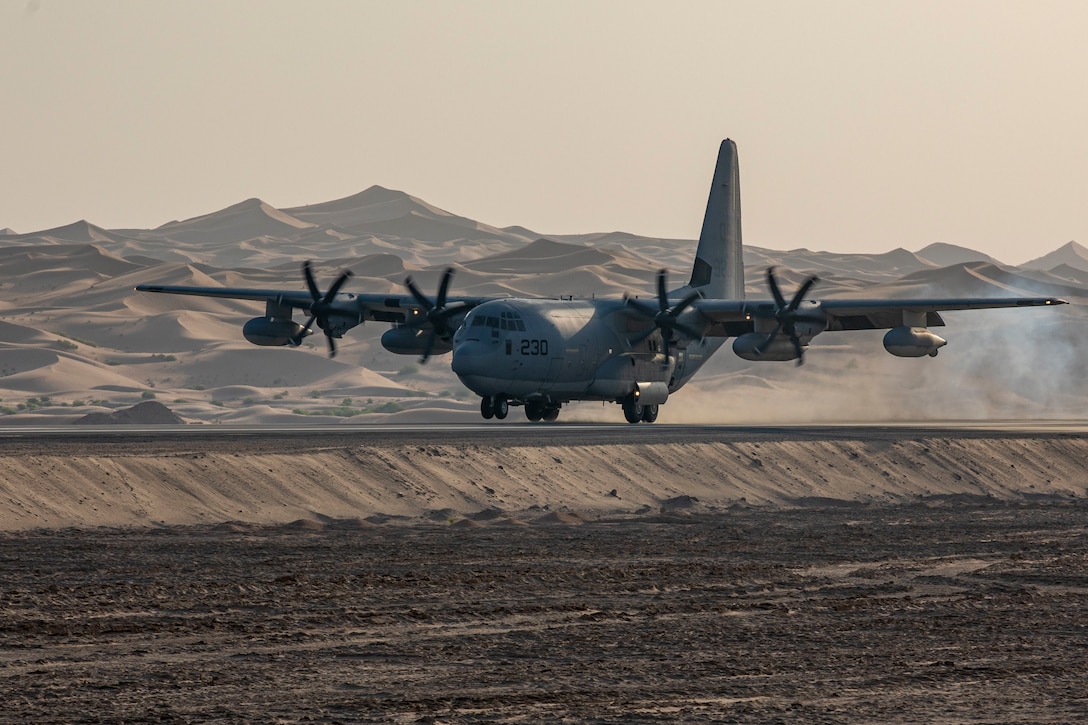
(563, 350)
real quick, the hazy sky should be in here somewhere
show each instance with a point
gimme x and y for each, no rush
(861, 126)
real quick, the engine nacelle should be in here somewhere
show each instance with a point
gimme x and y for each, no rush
(412, 341)
(913, 342)
(747, 346)
(268, 332)
(651, 393)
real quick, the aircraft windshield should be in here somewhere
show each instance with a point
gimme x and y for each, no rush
(506, 321)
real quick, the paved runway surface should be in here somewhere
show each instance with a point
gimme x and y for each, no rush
(257, 438)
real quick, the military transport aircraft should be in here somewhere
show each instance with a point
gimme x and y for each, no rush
(542, 353)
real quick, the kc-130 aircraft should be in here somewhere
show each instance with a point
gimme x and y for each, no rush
(543, 353)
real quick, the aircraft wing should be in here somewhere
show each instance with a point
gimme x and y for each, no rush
(292, 297)
(380, 307)
(884, 314)
(733, 317)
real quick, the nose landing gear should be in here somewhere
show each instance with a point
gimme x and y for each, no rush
(494, 407)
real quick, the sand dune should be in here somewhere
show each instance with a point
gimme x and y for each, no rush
(942, 254)
(68, 293)
(1071, 254)
(250, 219)
(36, 371)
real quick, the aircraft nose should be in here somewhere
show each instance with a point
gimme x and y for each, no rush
(471, 358)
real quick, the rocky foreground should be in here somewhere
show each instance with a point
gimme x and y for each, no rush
(921, 613)
(851, 576)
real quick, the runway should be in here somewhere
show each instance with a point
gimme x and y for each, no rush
(55, 439)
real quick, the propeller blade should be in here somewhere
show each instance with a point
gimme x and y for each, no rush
(693, 334)
(640, 306)
(335, 289)
(769, 341)
(664, 318)
(322, 305)
(684, 304)
(420, 298)
(787, 315)
(306, 330)
(779, 300)
(443, 288)
(428, 347)
(438, 314)
(311, 283)
(799, 350)
(449, 311)
(662, 298)
(797, 298)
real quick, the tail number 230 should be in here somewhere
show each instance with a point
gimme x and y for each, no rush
(534, 347)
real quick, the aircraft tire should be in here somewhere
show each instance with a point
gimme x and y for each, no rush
(502, 407)
(550, 413)
(649, 413)
(487, 407)
(534, 410)
(632, 411)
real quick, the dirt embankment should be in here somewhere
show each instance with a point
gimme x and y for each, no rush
(100, 487)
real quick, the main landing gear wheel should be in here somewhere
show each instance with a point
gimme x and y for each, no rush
(649, 413)
(550, 414)
(534, 410)
(632, 409)
(502, 407)
(487, 407)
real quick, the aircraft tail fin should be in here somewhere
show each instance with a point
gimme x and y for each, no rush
(718, 271)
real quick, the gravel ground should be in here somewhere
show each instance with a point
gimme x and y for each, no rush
(955, 612)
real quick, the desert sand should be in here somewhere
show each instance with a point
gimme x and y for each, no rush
(317, 478)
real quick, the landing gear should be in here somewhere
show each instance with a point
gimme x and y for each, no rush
(632, 409)
(494, 407)
(636, 412)
(537, 410)
(534, 410)
(498, 406)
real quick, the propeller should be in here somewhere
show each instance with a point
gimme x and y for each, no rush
(665, 318)
(437, 314)
(787, 316)
(321, 307)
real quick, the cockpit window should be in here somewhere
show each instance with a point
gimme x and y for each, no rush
(506, 320)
